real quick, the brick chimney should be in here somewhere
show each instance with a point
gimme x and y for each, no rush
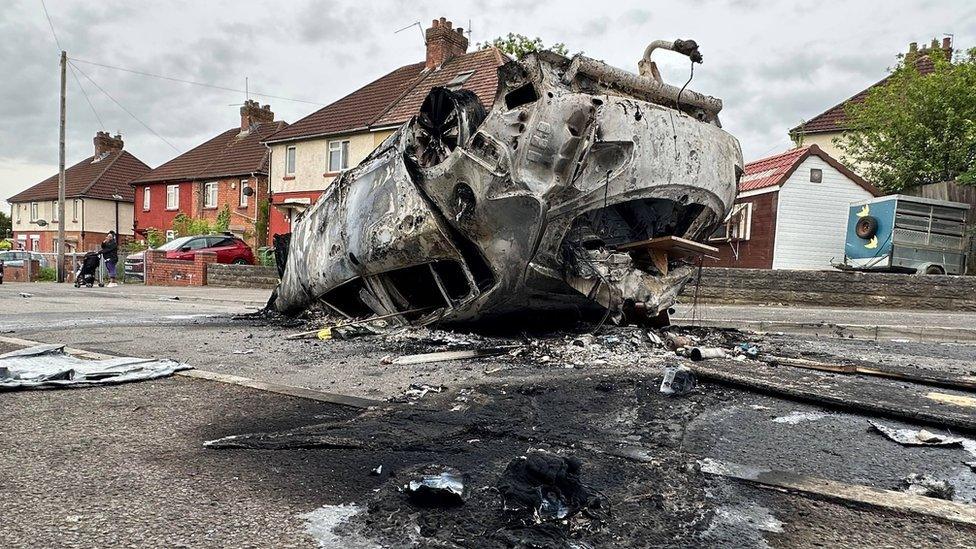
(444, 43)
(914, 52)
(253, 114)
(105, 143)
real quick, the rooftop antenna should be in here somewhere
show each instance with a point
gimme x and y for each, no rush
(469, 30)
(419, 27)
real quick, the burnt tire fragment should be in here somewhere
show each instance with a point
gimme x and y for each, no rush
(446, 120)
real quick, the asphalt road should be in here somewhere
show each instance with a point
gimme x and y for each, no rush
(125, 465)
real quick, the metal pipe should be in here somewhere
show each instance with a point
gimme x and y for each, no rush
(702, 353)
(655, 91)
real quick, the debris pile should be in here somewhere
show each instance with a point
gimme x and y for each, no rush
(924, 485)
(542, 487)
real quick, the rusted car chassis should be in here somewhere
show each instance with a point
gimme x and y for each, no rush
(465, 215)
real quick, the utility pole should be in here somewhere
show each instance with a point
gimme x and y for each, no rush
(61, 182)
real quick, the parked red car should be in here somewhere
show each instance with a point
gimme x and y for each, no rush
(229, 249)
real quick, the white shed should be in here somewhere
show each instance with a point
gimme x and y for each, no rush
(795, 204)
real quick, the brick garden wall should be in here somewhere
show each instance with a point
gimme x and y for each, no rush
(174, 272)
(835, 289)
(19, 274)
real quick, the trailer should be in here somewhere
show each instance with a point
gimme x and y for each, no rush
(900, 233)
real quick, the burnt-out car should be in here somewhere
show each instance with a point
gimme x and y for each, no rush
(532, 206)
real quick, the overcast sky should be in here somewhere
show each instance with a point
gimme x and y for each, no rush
(773, 63)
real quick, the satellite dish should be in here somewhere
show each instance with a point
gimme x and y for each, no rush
(248, 191)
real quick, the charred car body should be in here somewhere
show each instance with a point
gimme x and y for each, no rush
(464, 214)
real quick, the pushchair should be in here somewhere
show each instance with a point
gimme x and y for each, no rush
(88, 270)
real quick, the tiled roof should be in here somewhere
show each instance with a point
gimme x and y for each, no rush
(770, 171)
(774, 170)
(395, 97)
(226, 155)
(483, 82)
(86, 179)
(834, 119)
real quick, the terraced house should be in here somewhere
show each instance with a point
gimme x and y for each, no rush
(309, 154)
(98, 199)
(228, 172)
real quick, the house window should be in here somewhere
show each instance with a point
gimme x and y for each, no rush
(816, 175)
(18, 207)
(54, 212)
(243, 197)
(737, 226)
(210, 194)
(172, 197)
(290, 161)
(74, 210)
(33, 212)
(146, 195)
(338, 155)
(459, 80)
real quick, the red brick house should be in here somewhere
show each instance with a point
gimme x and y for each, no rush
(98, 199)
(230, 170)
(790, 212)
(308, 155)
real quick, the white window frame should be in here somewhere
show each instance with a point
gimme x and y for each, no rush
(737, 225)
(291, 160)
(342, 147)
(172, 197)
(207, 203)
(146, 199)
(74, 210)
(19, 215)
(243, 198)
(34, 212)
(55, 212)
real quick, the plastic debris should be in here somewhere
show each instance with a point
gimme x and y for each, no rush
(542, 487)
(418, 391)
(49, 366)
(170, 298)
(911, 437)
(25, 294)
(678, 380)
(748, 350)
(445, 487)
(377, 471)
(244, 352)
(924, 485)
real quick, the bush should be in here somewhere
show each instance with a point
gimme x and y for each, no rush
(185, 225)
(47, 274)
(155, 238)
(5, 245)
(223, 220)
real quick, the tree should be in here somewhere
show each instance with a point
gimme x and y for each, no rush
(916, 129)
(222, 224)
(519, 45)
(185, 225)
(261, 223)
(5, 226)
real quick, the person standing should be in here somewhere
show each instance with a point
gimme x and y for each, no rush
(110, 255)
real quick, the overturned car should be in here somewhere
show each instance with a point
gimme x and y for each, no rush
(541, 204)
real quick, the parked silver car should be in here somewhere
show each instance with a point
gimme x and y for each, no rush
(16, 258)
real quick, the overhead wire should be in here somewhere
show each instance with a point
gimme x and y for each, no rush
(192, 82)
(127, 111)
(51, 23)
(74, 73)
